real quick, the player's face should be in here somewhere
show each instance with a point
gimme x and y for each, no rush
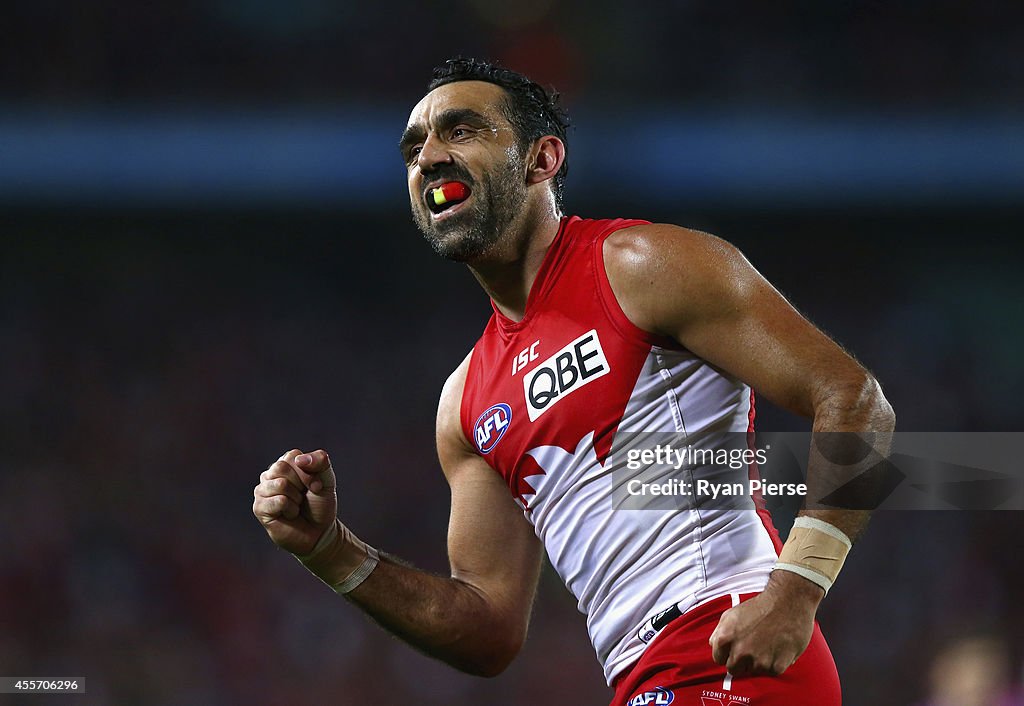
(458, 133)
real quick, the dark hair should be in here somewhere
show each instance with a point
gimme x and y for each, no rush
(533, 111)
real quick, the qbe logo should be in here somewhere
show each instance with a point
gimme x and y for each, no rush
(659, 697)
(491, 426)
(578, 364)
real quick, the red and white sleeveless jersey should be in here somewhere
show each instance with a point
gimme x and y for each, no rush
(553, 404)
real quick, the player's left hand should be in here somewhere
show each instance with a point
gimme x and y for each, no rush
(765, 634)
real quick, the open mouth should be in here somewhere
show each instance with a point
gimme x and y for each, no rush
(446, 196)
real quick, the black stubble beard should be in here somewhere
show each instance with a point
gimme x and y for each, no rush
(497, 198)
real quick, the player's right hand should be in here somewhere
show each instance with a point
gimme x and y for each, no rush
(296, 500)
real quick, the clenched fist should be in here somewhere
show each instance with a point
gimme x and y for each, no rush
(766, 634)
(296, 500)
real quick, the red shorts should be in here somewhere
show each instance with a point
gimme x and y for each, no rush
(677, 669)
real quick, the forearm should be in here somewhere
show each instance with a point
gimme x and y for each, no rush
(852, 433)
(442, 617)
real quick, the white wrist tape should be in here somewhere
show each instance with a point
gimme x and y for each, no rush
(325, 541)
(361, 572)
(815, 550)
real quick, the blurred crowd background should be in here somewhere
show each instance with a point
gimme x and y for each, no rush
(913, 54)
(206, 258)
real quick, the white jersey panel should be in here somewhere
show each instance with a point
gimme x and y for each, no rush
(626, 566)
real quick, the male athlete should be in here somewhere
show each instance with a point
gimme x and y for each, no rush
(603, 330)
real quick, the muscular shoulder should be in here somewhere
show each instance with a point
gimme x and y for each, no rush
(451, 440)
(664, 275)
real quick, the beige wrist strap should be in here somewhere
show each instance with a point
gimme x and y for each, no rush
(815, 550)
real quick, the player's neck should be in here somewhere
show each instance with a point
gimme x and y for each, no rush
(508, 275)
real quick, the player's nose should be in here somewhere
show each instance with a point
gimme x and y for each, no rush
(433, 153)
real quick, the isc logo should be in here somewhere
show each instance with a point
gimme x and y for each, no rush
(578, 364)
(659, 697)
(491, 426)
(525, 357)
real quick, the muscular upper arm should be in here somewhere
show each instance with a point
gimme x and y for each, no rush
(491, 546)
(702, 292)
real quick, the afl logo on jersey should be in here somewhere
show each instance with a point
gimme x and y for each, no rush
(491, 426)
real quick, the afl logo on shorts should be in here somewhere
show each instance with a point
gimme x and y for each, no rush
(660, 696)
(491, 426)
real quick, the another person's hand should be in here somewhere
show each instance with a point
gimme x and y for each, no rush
(765, 634)
(296, 500)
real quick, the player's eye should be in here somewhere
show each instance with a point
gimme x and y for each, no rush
(461, 132)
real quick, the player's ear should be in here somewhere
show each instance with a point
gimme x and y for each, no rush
(546, 159)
